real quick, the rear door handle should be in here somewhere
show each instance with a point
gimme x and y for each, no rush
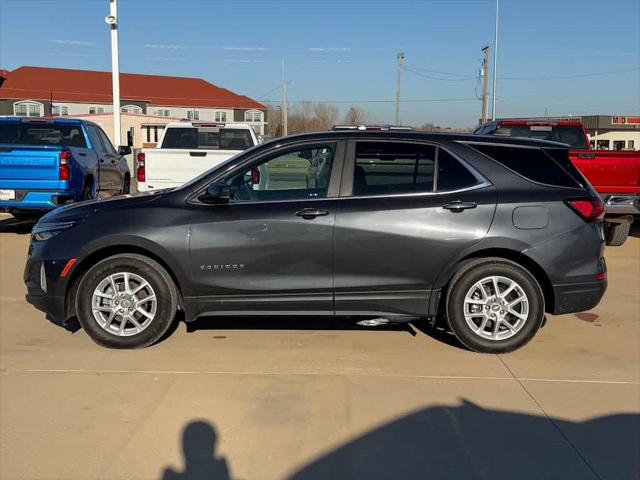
(459, 206)
(586, 156)
(311, 213)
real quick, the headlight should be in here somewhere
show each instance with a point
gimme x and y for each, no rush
(44, 231)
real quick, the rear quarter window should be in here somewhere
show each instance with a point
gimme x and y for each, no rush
(531, 163)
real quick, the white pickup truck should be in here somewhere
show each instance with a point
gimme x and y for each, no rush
(188, 149)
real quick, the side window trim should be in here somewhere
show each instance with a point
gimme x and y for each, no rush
(346, 186)
(334, 180)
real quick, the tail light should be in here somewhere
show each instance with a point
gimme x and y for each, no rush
(141, 172)
(591, 210)
(64, 172)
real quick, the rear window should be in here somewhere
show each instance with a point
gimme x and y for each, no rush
(387, 168)
(207, 138)
(572, 136)
(532, 163)
(28, 134)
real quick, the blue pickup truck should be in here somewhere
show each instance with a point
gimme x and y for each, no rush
(48, 162)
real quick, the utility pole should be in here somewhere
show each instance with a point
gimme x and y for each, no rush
(285, 104)
(400, 58)
(495, 68)
(485, 84)
(112, 20)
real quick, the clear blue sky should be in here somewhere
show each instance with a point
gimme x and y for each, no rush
(346, 51)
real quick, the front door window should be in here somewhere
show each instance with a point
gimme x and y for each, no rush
(300, 174)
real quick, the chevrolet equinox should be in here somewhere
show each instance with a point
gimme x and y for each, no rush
(482, 234)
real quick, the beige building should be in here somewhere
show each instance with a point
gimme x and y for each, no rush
(612, 132)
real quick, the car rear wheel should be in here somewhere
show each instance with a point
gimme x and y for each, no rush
(494, 305)
(126, 301)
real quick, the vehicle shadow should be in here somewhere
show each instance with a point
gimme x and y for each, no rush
(302, 322)
(634, 231)
(318, 323)
(463, 441)
(13, 225)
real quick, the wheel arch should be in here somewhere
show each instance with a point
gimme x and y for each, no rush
(515, 256)
(88, 261)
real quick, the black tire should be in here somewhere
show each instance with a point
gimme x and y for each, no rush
(466, 277)
(87, 191)
(126, 185)
(616, 234)
(26, 215)
(158, 278)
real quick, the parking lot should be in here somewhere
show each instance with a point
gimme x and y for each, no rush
(313, 398)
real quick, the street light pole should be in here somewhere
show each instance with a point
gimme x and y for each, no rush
(400, 58)
(112, 20)
(495, 68)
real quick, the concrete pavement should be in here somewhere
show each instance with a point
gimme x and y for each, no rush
(309, 398)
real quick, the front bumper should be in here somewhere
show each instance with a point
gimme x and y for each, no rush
(37, 200)
(622, 204)
(46, 289)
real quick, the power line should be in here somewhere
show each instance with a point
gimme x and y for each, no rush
(577, 75)
(414, 100)
(440, 72)
(270, 92)
(430, 77)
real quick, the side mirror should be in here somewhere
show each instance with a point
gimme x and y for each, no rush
(216, 193)
(124, 150)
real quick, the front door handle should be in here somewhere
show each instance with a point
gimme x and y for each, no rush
(311, 213)
(459, 206)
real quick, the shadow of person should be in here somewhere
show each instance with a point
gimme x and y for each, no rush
(200, 461)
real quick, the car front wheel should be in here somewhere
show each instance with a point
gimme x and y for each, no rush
(494, 305)
(126, 301)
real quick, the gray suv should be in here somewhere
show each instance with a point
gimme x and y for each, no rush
(482, 235)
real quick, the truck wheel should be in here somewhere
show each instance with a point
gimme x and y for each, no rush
(88, 193)
(494, 305)
(616, 234)
(126, 301)
(26, 215)
(126, 186)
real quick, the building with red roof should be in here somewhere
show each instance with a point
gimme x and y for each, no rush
(39, 91)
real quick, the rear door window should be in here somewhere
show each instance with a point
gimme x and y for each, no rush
(46, 134)
(531, 163)
(388, 168)
(208, 138)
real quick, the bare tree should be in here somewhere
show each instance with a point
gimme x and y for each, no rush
(274, 121)
(357, 116)
(312, 117)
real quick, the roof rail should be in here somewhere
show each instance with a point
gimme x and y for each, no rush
(377, 128)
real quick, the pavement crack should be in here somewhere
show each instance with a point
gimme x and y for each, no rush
(548, 417)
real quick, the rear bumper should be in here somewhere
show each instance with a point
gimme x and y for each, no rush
(578, 297)
(622, 204)
(37, 200)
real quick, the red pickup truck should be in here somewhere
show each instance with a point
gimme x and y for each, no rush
(615, 174)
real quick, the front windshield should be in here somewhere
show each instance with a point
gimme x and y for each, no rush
(221, 166)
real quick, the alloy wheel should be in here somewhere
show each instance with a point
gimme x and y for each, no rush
(124, 304)
(496, 308)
